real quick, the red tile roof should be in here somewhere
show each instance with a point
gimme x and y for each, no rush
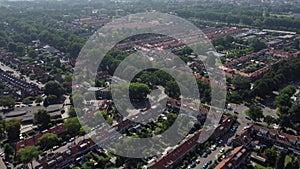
(176, 154)
(278, 136)
(235, 159)
(32, 141)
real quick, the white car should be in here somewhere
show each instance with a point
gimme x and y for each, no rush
(222, 150)
(55, 147)
(213, 147)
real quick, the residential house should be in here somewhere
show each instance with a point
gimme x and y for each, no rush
(235, 159)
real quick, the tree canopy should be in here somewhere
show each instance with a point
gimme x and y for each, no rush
(28, 154)
(53, 88)
(42, 118)
(12, 128)
(73, 126)
(48, 141)
(255, 112)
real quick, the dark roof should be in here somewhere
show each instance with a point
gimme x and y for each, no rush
(62, 157)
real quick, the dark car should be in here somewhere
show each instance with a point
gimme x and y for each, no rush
(193, 164)
(63, 143)
(248, 118)
(204, 155)
(209, 162)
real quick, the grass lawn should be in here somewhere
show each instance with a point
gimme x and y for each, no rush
(258, 166)
(287, 160)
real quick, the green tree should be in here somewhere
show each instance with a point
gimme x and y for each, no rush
(9, 151)
(12, 47)
(26, 100)
(138, 91)
(51, 99)
(28, 154)
(280, 160)
(57, 63)
(255, 112)
(3, 43)
(257, 44)
(48, 141)
(241, 83)
(32, 53)
(172, 89)
(38, 99)
(72, 112)
(269, 119)
(2, 128)
(53, 88)
(12, 128)
(42, 118)
(283, 100)
(7, 102)
(271, 154)
(73, 126)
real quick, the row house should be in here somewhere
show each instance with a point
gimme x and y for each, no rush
(174, 156)
(63, 159)
(278, 138)
(223, 128)
(268, 136)
(236, 159)
(32, 141)
(16, 84)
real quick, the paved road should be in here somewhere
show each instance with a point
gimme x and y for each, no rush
(2, 165)
(213, 156)
(242, 116)
(243, 122)
(66, 107)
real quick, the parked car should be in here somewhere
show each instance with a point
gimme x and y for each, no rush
(209, 162)
(213, 147)
(248, 118)
(198, 161)
(2, 154)
(222, 150)
(63, 143)
(55, 147)
(229, 142)
(193, 165)
(44, 154)
(204, 155)
(71, 139)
